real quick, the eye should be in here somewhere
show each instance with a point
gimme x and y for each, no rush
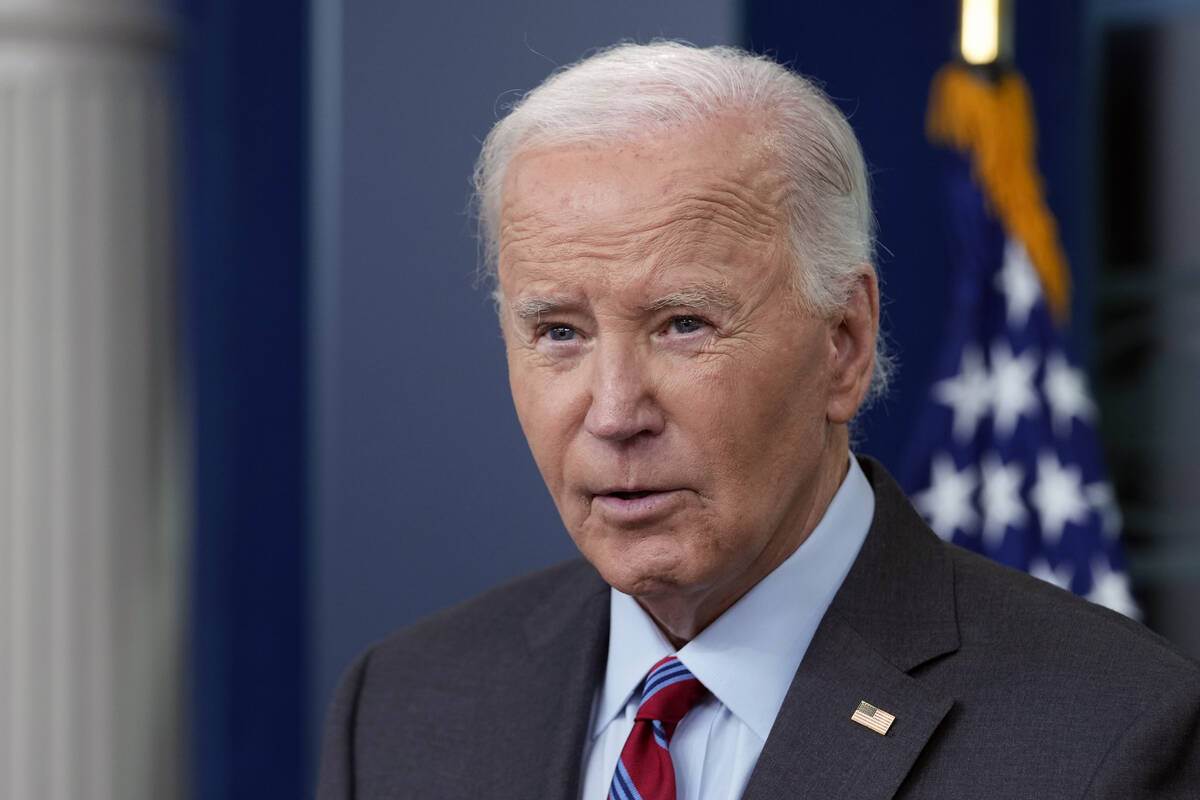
(560, 333)
(685, 325)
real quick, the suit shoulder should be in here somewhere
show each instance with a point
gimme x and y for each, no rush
(1079, 695)
(1002, 609)
(457, 688)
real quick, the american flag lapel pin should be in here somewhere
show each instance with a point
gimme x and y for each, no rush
(874, 718)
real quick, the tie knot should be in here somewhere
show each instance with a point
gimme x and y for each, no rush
(670, 691)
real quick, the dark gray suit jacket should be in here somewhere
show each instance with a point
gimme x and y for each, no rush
(1002, 687)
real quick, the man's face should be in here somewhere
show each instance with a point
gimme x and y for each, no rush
(683, 411)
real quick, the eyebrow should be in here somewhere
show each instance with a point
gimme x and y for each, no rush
(697, 296)
(534, 307)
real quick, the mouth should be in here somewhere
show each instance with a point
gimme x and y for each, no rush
(631, 495)
(636, 505)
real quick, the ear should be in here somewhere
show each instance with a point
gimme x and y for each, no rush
(854, 348)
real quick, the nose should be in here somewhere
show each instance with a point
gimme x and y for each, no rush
(623, 403)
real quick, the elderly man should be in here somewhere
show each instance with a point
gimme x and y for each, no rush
(682, 245)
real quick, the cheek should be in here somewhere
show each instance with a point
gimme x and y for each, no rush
(762, 420)
(536, 420)
(527, 397)
(544, 409)
(524, 395)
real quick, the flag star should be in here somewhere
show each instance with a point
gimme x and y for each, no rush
(946, 504)
(1060, 576)
(1000, 496)
(1058, 497)
(1066, 392)
(1011, 386)
(967, 393)
(1019, 283)
(1111, 589)
(1100, 496)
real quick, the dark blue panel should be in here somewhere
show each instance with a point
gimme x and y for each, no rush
(243, 79)
(876, 58)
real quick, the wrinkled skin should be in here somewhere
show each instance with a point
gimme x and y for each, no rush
(687, 414)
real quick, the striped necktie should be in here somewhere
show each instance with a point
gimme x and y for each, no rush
(644, 771)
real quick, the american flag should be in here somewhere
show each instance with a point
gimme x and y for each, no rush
(874, 718)
(1005, 458)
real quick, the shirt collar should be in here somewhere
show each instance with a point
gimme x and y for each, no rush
(748, 656)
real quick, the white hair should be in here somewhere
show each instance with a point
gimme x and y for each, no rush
(631, 91)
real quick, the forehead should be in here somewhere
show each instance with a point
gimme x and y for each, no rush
(706, 194)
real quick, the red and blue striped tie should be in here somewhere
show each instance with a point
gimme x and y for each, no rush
(644, 771)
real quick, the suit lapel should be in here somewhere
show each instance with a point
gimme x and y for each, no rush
(894, 611)
(568, 646)
(815, 750)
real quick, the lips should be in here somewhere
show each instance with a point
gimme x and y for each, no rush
(636, 505)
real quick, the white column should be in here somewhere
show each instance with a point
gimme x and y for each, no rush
(92, 501)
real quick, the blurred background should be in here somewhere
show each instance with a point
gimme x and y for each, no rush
(253, 407)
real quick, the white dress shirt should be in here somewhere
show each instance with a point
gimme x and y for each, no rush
(746, 658)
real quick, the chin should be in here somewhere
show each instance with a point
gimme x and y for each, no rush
(646, 585)
(641, 574)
